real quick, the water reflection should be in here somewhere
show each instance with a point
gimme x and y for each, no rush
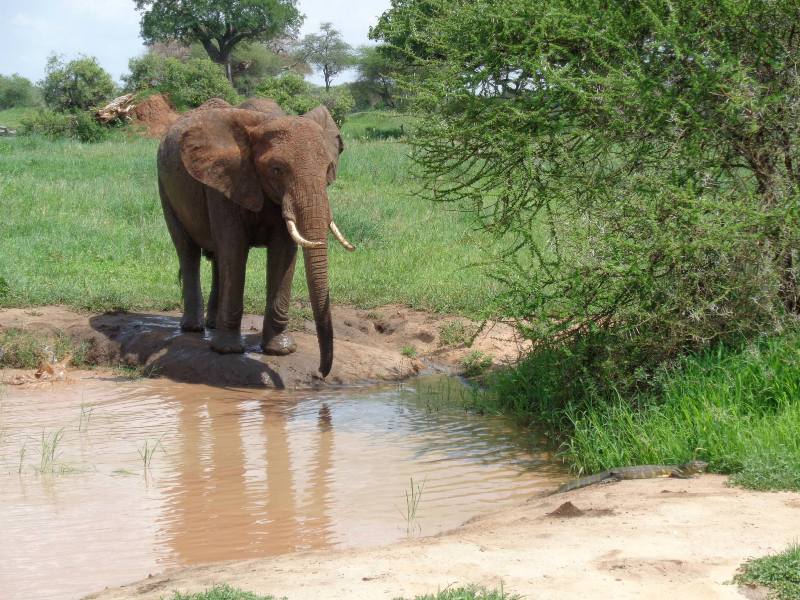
(242, 474)
(247, 505)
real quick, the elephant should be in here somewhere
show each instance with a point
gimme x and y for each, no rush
(235, 178)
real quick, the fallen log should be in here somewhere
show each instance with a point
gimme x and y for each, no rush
(118, 109)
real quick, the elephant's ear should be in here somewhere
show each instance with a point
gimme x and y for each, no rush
(216, 150)
(333, 137)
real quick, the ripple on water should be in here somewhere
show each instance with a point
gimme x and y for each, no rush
(238, 474)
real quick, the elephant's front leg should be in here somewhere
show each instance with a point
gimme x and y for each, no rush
(230, 261)
(281, 257)
(213, 297)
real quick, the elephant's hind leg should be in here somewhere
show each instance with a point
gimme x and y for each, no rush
(189, 260)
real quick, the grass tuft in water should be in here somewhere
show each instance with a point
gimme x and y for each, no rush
(413, 496)
(148, 450)
(49, 451)
(778, 572)
(21, 463)
(86, 416)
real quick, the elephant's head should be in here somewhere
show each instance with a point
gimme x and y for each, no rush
(252, 158)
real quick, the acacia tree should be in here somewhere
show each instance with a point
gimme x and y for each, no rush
(644, 157)
(377, 75)
(327, 51)
(219, 25)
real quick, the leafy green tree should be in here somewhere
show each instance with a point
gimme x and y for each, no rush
(187, 83)
(219, 25)
(641, 158)
(251, 63)
(79, 84)
(327, 51)
(377, 77)
(16, 90)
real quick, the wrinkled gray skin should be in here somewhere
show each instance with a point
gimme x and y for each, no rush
(230, 179)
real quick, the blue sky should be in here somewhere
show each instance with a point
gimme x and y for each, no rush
(109, 30)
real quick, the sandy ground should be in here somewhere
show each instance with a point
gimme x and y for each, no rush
(656, 538)
(368, 345)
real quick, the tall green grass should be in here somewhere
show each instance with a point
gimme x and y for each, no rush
(82, 226)
(736, 408)
(12, 117)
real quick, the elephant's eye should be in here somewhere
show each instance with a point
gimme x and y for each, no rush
(275, 171)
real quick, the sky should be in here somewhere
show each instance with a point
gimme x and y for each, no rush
(109, 31)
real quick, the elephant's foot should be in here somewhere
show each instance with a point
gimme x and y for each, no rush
(191, 323)
(211, 321)
(279, 344)
(227, 342)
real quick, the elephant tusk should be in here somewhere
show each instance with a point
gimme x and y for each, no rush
(299, 239)
(338, 235)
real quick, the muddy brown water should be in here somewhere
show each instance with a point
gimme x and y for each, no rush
(235, 474)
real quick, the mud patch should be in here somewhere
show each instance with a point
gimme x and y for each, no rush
(569, 511)
(363, 352)
(155, 114)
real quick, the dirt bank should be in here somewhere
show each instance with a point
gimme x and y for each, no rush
(635, 539)
(370, 345)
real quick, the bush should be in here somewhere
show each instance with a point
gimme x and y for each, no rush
(290, 91)
(295, 95)
(78, 85)
(646, 181)
(339, 102)
(16, 91)
(80, 126)
(188, 84)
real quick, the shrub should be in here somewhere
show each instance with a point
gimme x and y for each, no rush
(78, 85)
(290, 90)
(80, 126)
(645, 179)
(188, 84)
(16, 91)
(295, 95)
(339, 102)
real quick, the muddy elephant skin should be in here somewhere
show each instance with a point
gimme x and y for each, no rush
(234, 178)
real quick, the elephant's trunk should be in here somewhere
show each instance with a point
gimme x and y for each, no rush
(311, 212)
(316, 260)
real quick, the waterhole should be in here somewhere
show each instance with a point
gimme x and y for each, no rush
(103, 482)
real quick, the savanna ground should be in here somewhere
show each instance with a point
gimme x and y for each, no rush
(82, 228)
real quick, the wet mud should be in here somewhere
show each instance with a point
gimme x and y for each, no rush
(105, 481)
(369, 346)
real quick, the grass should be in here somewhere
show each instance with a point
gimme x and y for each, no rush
(468, 593)
(20, 349)
(221, 592)
(476, 363)
(82, 226)
(780, 573)
(409, 351)
(736, 408)
(48, 451)
(12, 117)
(413, 496)
(148, 450)
(225, 592)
